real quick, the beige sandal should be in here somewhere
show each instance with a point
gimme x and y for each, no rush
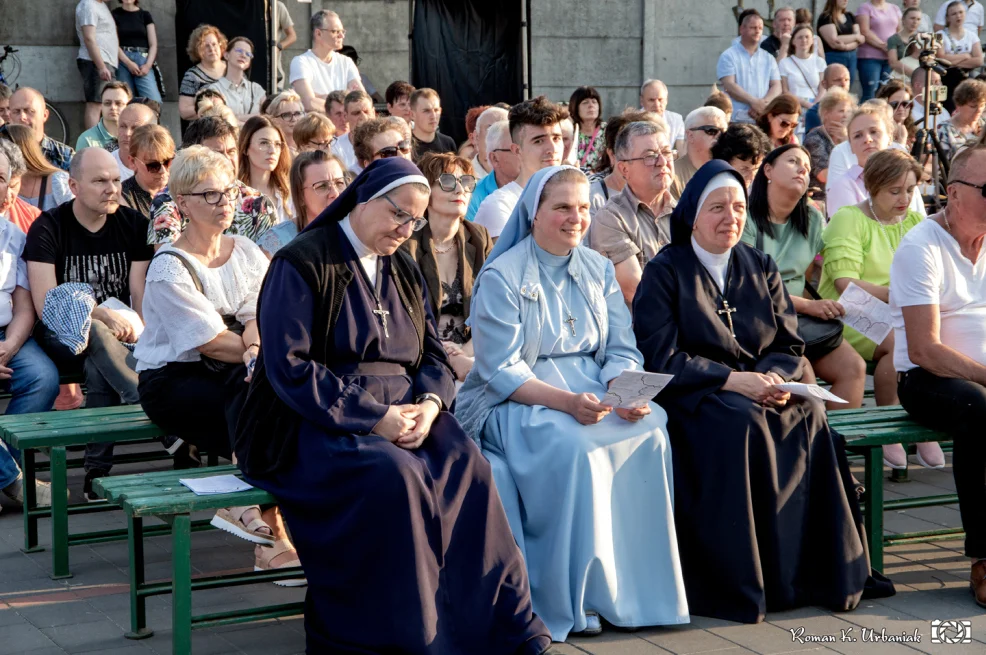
(264, 556)
(230, 519)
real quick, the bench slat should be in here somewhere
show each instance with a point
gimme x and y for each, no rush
(161, 493)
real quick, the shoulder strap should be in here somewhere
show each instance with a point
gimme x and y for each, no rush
(759, 239)
(188, 267)
(41, 192)
(810, 288)
(814, 89)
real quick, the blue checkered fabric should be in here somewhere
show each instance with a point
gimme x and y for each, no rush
(68, 313)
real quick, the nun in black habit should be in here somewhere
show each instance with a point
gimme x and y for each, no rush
(766, 515)
(391, 506)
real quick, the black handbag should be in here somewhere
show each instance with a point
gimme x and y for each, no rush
(821, 336)
(232, 324)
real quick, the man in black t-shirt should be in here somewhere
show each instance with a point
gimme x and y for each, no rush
(95, 241)
(779, 42)
(426, 112)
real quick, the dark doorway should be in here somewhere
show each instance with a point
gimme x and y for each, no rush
(470, 52)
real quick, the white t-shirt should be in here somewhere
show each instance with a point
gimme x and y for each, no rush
(324, 77)
(929, 269)
(676, 126)
(495, 211)
(343, 149)
(953, 46)
(125, 173)
(13, 269)
(795, 71)
(178, 319)
(97, 14)
(973, 15)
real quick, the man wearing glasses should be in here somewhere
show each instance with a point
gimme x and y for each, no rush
(504, 165)
(320, 71)
(703, 126)
(241, 95)
(635, 223)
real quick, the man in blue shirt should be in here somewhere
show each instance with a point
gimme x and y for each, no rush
(505, 165)
(748, 73)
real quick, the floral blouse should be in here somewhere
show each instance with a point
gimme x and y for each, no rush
(253, 216)
(952, 138)
(588, 162)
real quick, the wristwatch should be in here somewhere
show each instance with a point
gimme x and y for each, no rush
(433, 397)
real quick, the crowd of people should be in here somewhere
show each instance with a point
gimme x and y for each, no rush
(409, 342)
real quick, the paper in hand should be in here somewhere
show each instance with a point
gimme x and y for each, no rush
(634, 389)
(866, 314)
(127, 313)
(216, 484)
(809, 391)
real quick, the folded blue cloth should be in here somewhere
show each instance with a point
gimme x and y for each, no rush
(68, 313)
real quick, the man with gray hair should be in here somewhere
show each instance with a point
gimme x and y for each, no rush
(702, 129)
(322, 70)
(635, 224)
(654, 98)
(480, 165)
(779, 42)
(504, 163)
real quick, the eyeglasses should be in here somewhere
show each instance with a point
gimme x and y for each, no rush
(651, 160)
(785, 124)
(291, 116)
(501, 150)
(274, 146)
(333, 32)
(980, 187)
(447, 182)
(213, 197)
(907, 104)
(321, 145)
(402, 217)
(156, 166)
(402, 148)
(323, 187)
(245, 53)
(711, 130)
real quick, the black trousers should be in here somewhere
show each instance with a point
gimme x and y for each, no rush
(957, 407)
(189, 401)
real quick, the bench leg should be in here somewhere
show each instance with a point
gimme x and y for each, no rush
(873, 505)
(30, 503)
(59, 515)
(138, 602)
(181, 580)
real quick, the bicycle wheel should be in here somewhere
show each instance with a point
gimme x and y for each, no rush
(55, 126)
(11, 70)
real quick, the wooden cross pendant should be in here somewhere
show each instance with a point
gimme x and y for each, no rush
(382, 313)
(728, 311)
(571, 323)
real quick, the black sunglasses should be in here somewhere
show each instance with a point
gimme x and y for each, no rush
(897, 103)
(156, 166)
(981, 187)
(447, 182)
(711, 130)
(402, 148)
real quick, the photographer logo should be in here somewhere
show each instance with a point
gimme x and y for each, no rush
(951, 632)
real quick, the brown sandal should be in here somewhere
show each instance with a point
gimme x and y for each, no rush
(230, 519)
(264, 556)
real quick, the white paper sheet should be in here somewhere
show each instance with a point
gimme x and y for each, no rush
(216, 484)
(809, 391)
(866, 314)
(128, 314)
(632, 389)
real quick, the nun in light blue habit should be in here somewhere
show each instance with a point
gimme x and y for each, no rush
(587, 491)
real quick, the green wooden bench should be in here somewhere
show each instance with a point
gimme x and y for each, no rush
(51, 433)
(160, 495)
(867, 430)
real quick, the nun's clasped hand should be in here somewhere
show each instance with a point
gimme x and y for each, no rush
(758, 387)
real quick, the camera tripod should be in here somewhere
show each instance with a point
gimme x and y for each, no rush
(926, 142)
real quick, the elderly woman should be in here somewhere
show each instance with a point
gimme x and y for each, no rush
(765, 511)
(835, 108)
(313, 132)
(552, 332)
(860, 242)
(785, 226)
(344, 425)
(42, 185)
(450, 251)
(200, 334)
(152, 151)
(780, 119)
(12, 207)
(265, 162)
(585, 109)
(965, 124)
(285, 110)
(317, 179)
(206, 47)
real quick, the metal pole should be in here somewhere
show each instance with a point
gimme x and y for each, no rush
(275, 54)
(410, 40)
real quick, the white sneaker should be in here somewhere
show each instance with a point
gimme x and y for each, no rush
(593, 626)
(15, 491)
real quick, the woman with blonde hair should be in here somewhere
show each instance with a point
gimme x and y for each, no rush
(42, 186)
(314, 132)
(286, 110)
(265, 162)
(206, 47)
(152, 150)
(835, 108)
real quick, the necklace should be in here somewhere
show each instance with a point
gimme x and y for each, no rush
(450, 248)
(571, 317)
(883, 228)
(948, 227)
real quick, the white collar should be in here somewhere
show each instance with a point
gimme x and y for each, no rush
(715, 264)
(367, 258)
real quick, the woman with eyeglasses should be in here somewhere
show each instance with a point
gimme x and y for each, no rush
(206, 46)
(317, 178)
(265, 162)
(152, 150)
(200, 339)
(314, 132)
(965, 124)
(241, 95)
(780, 120)
(381, 138)
(450, 251)
(285, 110)
(899, 96)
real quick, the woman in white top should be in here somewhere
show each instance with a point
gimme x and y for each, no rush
(195, 356)
(241, 95)
(960, 51)
(265, 162)
(802, 72)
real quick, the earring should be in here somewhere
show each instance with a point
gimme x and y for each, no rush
(769, 181)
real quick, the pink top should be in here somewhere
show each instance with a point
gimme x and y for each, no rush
(884, 22)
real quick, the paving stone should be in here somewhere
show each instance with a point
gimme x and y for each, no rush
(53, 615)
(87, 637)
(685, 640)
(612, 642)
(23, 638)
(761, 638)
(269, 639)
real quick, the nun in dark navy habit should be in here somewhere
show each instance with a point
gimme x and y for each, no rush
(765, 508)
(391, 506)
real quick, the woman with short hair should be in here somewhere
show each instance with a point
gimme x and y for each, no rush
(242, 96)
(585, 108)
(286, 109)
(206, 47)
(152, 151)
(265, 162)
(834, 109)
(964, 126)
(313, 132)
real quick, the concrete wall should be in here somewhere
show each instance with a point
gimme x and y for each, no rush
(611, 44)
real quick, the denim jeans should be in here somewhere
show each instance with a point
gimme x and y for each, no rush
(872, 74)
(846, 58)
(145, 85)
(33, 387)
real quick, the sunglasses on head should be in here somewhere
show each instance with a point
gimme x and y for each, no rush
(711, 130)
(402, 148)
(157, 166)
(447, 182)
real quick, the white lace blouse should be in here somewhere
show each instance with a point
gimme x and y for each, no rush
(178, 319)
